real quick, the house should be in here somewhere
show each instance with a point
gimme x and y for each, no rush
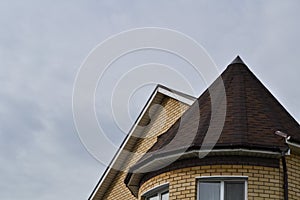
(187, 148)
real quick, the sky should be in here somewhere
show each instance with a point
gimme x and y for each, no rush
(43, 44)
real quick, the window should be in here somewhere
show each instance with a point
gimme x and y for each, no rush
(158, 193)
(159, 196)
(221, 188)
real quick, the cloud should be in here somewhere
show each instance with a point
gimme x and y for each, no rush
(43, 44)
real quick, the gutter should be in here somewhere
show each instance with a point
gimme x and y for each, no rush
(151, 163)
(174, 156)
(287, 139)
(291, 143)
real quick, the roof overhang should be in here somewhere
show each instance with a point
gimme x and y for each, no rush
(129, 142)
(155, 163)
(134, 178)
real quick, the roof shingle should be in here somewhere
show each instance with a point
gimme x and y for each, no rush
(252, 116)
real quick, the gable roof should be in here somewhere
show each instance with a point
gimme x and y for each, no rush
(252, 116)
(157, 96)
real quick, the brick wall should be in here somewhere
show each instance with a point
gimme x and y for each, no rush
(162, 121)
(263, 182)
(293, 167)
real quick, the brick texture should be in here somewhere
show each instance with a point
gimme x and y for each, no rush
(161, 122)
(263, 182)
(293, 167)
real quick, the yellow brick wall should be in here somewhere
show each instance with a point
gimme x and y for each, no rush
(162, 122)
(293, 167)
(263, 182)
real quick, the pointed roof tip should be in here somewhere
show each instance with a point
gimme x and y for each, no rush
(237, 60)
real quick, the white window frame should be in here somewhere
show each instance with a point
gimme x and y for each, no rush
(159, 194)
(156, 191)
(222, 180)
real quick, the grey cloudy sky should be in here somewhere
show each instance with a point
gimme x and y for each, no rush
(43, 43)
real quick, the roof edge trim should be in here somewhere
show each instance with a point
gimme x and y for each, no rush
(123, 144)
(293, 144)
(177, 95)
(184, 98)
(257, 153)
(240, 150)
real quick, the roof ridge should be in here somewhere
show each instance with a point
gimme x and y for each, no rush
(237, 60)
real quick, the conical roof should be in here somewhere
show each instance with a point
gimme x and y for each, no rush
(237, 60)
(252, 116)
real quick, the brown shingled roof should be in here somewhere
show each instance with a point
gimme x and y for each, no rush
(252, 117)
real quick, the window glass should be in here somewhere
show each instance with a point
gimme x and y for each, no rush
(154, 198)
(165, 196)
(234, 190)
(222, 188)
(209, 191)
(159, 195)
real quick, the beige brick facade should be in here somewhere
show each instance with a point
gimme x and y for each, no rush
(293, 167)
(163, 120)
(263, 182)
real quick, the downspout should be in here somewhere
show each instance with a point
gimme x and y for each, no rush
(284, 167)
(285, 177)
